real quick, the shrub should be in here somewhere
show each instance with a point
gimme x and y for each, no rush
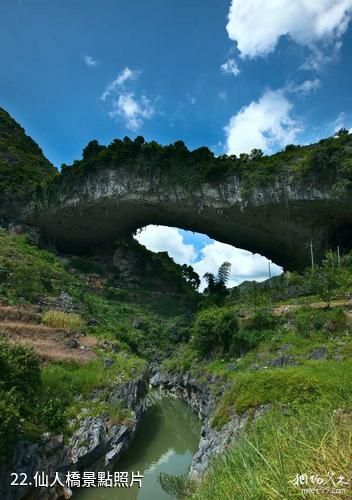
(329, 278)
(65, 321)
(85, 265)
(10, 417)
(214, 330)
(249, 339)
(19, 385)
(182, 361)
(19, 370)
(261, 320)
(309, 321)
(52, 412)
(336, 320)
(254, 330)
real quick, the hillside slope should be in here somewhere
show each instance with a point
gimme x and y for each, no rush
(23, 166)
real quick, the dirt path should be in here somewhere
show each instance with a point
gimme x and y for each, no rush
(285, 308)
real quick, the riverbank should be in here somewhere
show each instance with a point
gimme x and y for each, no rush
(203, 399)
(164, 443)
(96, 445)
(73, 379)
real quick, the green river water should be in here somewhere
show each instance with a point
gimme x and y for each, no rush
(166, 441)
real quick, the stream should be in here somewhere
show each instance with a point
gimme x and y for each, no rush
(166, 441)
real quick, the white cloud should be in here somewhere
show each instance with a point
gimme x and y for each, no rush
(169, 239)
(319, 57)
(244, 265)
(89, 61)
(257, 25)
(222, 95)
(339, 122)
(230, 67)
(125, 75)
(306, 87)
(125, 104)
(132, 109)
(114, 87)
(264, 124)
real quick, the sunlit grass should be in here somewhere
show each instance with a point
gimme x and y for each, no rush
(63, 320)
(263, 463)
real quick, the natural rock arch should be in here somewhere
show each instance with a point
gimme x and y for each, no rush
(276, 220)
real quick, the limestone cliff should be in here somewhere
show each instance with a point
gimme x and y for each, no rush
(271, 205)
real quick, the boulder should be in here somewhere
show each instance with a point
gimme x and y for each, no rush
(71, 343)
(108, 363)
(281, 361)
(319, 353)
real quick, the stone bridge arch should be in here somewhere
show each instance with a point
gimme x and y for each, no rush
(276, 220)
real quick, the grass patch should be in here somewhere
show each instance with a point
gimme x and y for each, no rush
(65, 321)
(182, 362)
(133, 325)
(307, 321)
(263, 462)
(119, 415)
(86, 407)
(70, 390)
(72, 378)
(328, 382)
(27, 273)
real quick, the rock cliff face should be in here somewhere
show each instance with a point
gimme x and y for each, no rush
(96, 445)
(134, 266)
(277, 220)
(200, 398)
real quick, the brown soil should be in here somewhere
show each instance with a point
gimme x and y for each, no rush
(285, 308)
(22, 326)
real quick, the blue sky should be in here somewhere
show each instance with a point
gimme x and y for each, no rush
(231, 75)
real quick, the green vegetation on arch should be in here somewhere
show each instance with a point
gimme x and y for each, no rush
(330, 160)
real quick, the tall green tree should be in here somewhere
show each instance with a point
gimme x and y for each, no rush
(328, 278)
(190, 276)
(216, 289)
